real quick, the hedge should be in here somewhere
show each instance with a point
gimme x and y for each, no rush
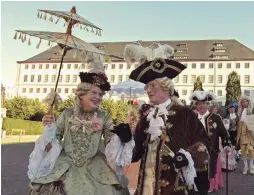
(31, 127)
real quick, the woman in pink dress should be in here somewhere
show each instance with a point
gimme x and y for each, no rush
(216, 183)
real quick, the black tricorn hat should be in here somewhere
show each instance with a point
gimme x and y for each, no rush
(154, 62)
(158, 68)
(230, 106)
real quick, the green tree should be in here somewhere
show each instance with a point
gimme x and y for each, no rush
(68, 103)
(198, 85)
(19, 108)
(117, 109)
(233, 88)
(39, 109)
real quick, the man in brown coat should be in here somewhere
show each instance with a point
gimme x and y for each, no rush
(170, 141)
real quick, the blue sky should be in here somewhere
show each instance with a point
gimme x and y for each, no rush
(126, 21)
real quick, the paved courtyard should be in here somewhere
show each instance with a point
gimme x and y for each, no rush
(15, 181)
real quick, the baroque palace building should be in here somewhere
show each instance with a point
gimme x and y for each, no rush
(211, 60)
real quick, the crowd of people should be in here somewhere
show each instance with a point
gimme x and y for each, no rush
(162, 148)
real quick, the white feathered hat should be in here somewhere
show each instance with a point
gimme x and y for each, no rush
(154, 62)
(200, 96)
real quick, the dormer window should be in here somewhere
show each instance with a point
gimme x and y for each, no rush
(181, 50)
(183, 45)
(220, 50)
(219, 44)
(180, 57)
(101, 47)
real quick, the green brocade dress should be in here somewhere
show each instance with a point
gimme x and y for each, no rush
(81, 168)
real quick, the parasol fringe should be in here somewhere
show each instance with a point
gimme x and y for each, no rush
(96, 33)
(100, 33)
(45, 16)
(41, 16)
(25, 38)
(64, 24)
(51, 18)
(87, 29)
(38, 15)
(15, 36)
(29, 41)
(57, 20)
(20, 35)
(81, 27)
(38, 45)
(49, 43)
(92, 30)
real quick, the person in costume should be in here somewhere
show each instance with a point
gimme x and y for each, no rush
(233, 122)
(245, 133)
(215, 129)
(86, 164)
(170, 141)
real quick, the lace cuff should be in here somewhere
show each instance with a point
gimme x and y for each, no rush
(119, 154)
(189, 171)
(40, 162)
(43, 120)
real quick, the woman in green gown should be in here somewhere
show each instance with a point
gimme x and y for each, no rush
(83, 167)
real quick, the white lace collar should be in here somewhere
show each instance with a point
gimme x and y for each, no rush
(156, 122)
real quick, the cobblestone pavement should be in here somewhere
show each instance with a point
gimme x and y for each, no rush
(15, 181)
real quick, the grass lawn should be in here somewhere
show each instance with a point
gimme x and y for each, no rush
(15, 139)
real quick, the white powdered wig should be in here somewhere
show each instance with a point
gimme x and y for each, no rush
(137, 53)
(244, 97)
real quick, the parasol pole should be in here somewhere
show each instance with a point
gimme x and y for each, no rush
(64, 51)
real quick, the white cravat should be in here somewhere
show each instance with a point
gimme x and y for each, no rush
(157, 122)
(202, 118)
(244, 114)
(232, 116)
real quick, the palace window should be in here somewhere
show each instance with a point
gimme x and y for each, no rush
(185, 78)
(202, 65)
(74, 78)
(210, 79)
